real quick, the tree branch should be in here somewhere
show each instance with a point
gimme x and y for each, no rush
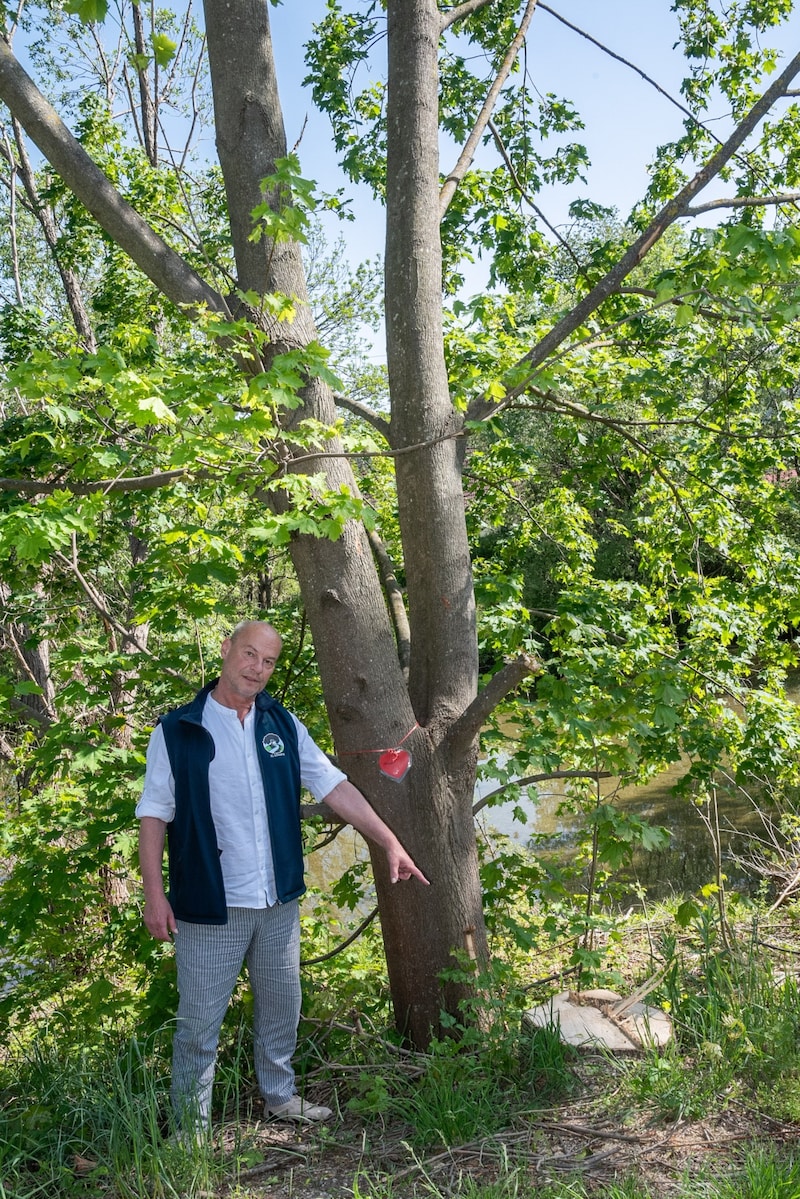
(146, 97)
(6, 749)
(325, 957)
(46, 218)
(159, 262)
(34, 715)
(377, 419)
(309, 810)
(23, 662)
(634, 255)
(540, 778)
(394, 599)
(558, 404)
(468, 153)
(461, 12)
(650, 293)
(12, 219)
(464, 730)
(96, 600)
(631, 66)
(34, 487)
(518, 184)
(743, 202)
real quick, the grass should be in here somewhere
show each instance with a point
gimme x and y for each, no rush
(761, 1175)
(737, 1028)
(92, 1120)
(92, 1123)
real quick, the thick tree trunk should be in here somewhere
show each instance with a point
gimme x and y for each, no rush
(368, 702)
(444, 656)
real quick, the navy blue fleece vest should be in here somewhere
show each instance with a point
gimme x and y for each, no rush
(196, 889)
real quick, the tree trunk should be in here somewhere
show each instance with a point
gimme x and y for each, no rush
(368, 702)
(444, 657)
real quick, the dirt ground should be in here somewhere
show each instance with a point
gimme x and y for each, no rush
(574, 1140)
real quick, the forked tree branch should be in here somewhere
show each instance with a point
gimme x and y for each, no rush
(465, 729)
(468, 153)
(483, 405)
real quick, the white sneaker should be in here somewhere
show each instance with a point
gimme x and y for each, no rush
(300, 1110)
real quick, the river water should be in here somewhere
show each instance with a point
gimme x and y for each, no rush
(681, 868)
(553, 833)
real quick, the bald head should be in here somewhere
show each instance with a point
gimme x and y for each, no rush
(252, 627)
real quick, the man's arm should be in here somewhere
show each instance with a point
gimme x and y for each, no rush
(158, 915)
(348, 803)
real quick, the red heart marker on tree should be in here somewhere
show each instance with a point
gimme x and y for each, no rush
(395, 763)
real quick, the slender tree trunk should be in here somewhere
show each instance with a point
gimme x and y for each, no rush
(148, 103)
(44, 214)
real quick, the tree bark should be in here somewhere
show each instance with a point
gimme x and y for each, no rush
(44, 214)
(444, 658)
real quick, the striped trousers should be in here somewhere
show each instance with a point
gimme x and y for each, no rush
(209, 959)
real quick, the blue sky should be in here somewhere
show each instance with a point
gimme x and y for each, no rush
(625, 117)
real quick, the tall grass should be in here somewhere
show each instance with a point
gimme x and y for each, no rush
(761, 1175)
(737, 1030)
(92, 1122)
(476, 1081)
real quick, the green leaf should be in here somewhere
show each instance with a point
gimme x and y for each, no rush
(688, 911)
(26, 687)
(89, 11)
(164, 49)
(665, 717)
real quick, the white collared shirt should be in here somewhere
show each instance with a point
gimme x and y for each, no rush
(237, 798)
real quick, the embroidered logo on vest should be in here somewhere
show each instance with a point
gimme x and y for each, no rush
(273, 745)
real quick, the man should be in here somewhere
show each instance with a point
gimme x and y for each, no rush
(222, 786)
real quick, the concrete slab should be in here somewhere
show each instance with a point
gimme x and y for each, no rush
(602, 1020)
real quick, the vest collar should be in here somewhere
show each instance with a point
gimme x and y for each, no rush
(193, 712)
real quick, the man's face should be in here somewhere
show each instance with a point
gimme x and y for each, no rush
(248, 660)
